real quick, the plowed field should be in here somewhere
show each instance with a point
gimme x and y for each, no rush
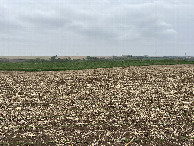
(150, 105)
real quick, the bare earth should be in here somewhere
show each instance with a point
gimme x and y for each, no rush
(150, 105)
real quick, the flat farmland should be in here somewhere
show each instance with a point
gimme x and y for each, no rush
(48, 57)
(145, 105)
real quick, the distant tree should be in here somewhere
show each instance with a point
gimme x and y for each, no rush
(88, 57)
(38, 60)
(92, 58)
(114, 57)
(53, 58)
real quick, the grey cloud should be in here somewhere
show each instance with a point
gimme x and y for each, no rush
(115, 23)
(135, 22)
(44, 20)
(101, 24)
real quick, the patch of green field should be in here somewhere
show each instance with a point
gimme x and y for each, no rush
(83, 64)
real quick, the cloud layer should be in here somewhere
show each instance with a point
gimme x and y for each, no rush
(106, 27)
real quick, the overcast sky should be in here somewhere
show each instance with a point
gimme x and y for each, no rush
(96, 27)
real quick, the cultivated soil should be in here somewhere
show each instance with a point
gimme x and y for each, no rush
(149, 105)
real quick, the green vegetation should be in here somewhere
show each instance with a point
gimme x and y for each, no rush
(4, 143)
(126, 140)
(83, 64)
(52, 142)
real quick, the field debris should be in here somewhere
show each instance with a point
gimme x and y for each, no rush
(150, 105)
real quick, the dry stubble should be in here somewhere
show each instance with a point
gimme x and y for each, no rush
(142, 105)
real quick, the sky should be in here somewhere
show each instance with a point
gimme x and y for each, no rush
(96, 27)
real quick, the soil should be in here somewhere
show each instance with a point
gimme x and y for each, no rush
(148, 105)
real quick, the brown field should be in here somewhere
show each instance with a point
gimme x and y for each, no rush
(150, 105)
